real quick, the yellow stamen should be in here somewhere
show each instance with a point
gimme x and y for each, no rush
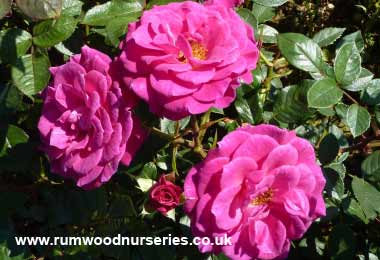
(263, 198)
(197, 50)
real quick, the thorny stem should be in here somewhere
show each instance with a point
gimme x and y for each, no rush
(198, 148)
(175, 149)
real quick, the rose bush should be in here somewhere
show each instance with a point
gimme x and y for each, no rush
(184, 58)
(86, 125)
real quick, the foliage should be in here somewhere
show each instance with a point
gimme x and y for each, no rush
(317, 75)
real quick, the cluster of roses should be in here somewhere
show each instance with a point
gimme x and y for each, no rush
(261, 186)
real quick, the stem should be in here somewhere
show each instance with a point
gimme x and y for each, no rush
(266, 61)
(198, 148)
(349, 97)
(156, 131)
(175, 150)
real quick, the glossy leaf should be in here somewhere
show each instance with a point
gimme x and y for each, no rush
(301, 52)
(371, 94)
(361, 82)
(271, 3)
(328, 36)
(347, 64)
(371, 166)
(31, 73)
(100, 15)
(267, 33)
(358, 119)
(40, 9)
(13, 44)
(368, 197)
(291, 103)
(262, 13)
(51, 32)
(355, 38)
(324, 93)
(248, 16)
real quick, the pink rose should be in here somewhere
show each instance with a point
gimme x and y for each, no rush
(164, 195)
(261, 186)
(226, 3)
(86, 126)
(184, 58)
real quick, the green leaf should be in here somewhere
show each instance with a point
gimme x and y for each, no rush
(262, 13)
(145, 184)
(328, 149)
(359, 84)
(291, 103)
(341, 243)
(339, 134)
(220, 256)
(10, 102)
(31, 73)
(326, 72)
(5, 7)
(355, 38)
(270, 3)
(341, 111)
(152, 3)
(267, 33)
(327, 111)
(6, 254)
(117, 28)
(51, 32)
(100, 15)
(371, 166)
(63, 49)
(367, 196)
(249, 18)
(243, 108)
(352, 207)
(347, 64)
(168, 126)
(358, 119)
(16, 136)
(334, 183)
(324, 93)
(328, 36)
(40, 9)
(149, 171)
(72, 7)
(13, 44)
(371, 94)
(302, 52)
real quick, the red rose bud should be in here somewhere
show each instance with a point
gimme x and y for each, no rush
(164, 195)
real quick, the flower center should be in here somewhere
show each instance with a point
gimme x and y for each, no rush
(197, 50)
(263, 198)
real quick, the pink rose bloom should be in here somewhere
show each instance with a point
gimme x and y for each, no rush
(261, 186)
(184, 58)
(164, 195)
(226, 3)
(86, 126)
